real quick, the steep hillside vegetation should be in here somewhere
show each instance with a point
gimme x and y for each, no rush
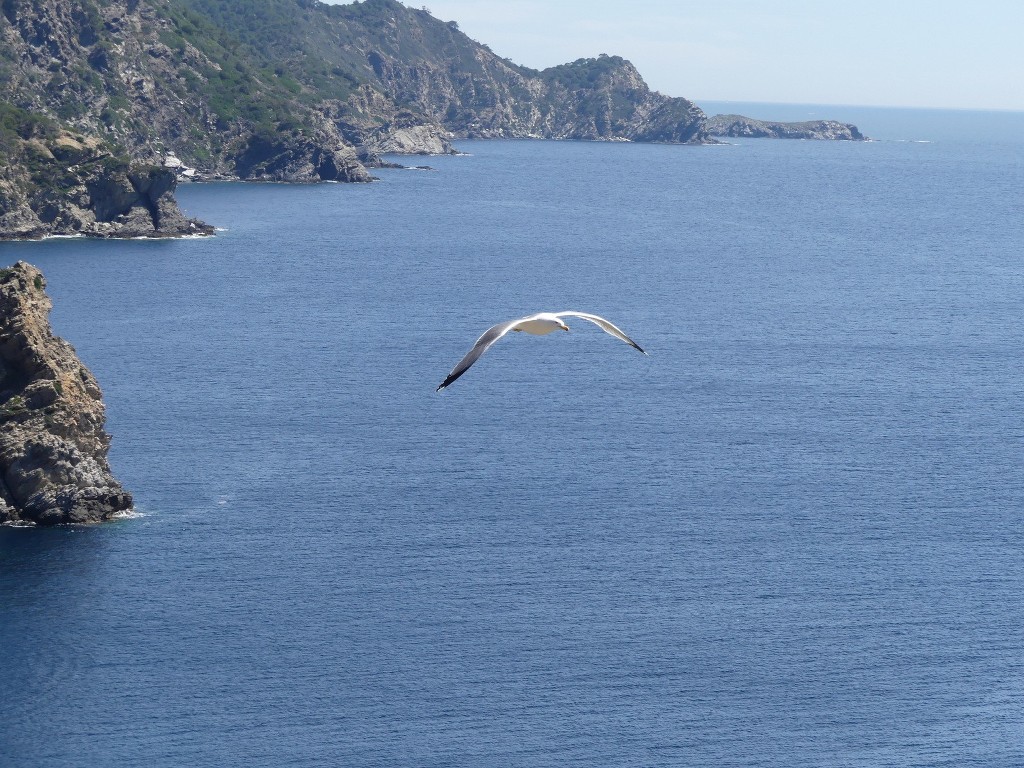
(153, 76)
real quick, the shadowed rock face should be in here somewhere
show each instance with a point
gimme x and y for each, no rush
(53, 448)
(56, 182)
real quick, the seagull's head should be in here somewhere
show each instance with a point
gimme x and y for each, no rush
(562, 325)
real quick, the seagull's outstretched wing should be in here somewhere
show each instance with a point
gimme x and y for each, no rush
(484, 343)
(604, 325)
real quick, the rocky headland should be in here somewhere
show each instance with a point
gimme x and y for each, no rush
(65, 184)
(106, 104)
(53, 447)
(738, 126)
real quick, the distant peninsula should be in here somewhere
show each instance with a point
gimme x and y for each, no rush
(105, 105)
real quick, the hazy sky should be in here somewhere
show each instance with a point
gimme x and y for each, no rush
(942, 53)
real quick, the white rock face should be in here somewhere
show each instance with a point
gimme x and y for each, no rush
(414, 140)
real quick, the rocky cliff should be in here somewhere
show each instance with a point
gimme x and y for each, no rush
(53, 448)
(55, 182)
(738, 126)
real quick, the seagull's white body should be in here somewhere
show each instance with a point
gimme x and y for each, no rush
(538, 325)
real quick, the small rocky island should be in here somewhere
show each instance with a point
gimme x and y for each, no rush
(738, 126)
(53, 447)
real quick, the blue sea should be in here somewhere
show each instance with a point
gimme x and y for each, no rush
(793, 535)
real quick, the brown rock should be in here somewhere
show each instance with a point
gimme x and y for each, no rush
(53, 448)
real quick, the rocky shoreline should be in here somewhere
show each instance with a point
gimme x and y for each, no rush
(105, 107)
(53, 446)
(106, 200)
(68, 184)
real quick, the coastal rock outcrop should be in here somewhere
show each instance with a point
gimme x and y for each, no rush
(58, 183)
(295, 159)
(412, 140)
(53, 446)
(738, 126)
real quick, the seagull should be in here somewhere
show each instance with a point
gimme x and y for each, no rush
(538, 325)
